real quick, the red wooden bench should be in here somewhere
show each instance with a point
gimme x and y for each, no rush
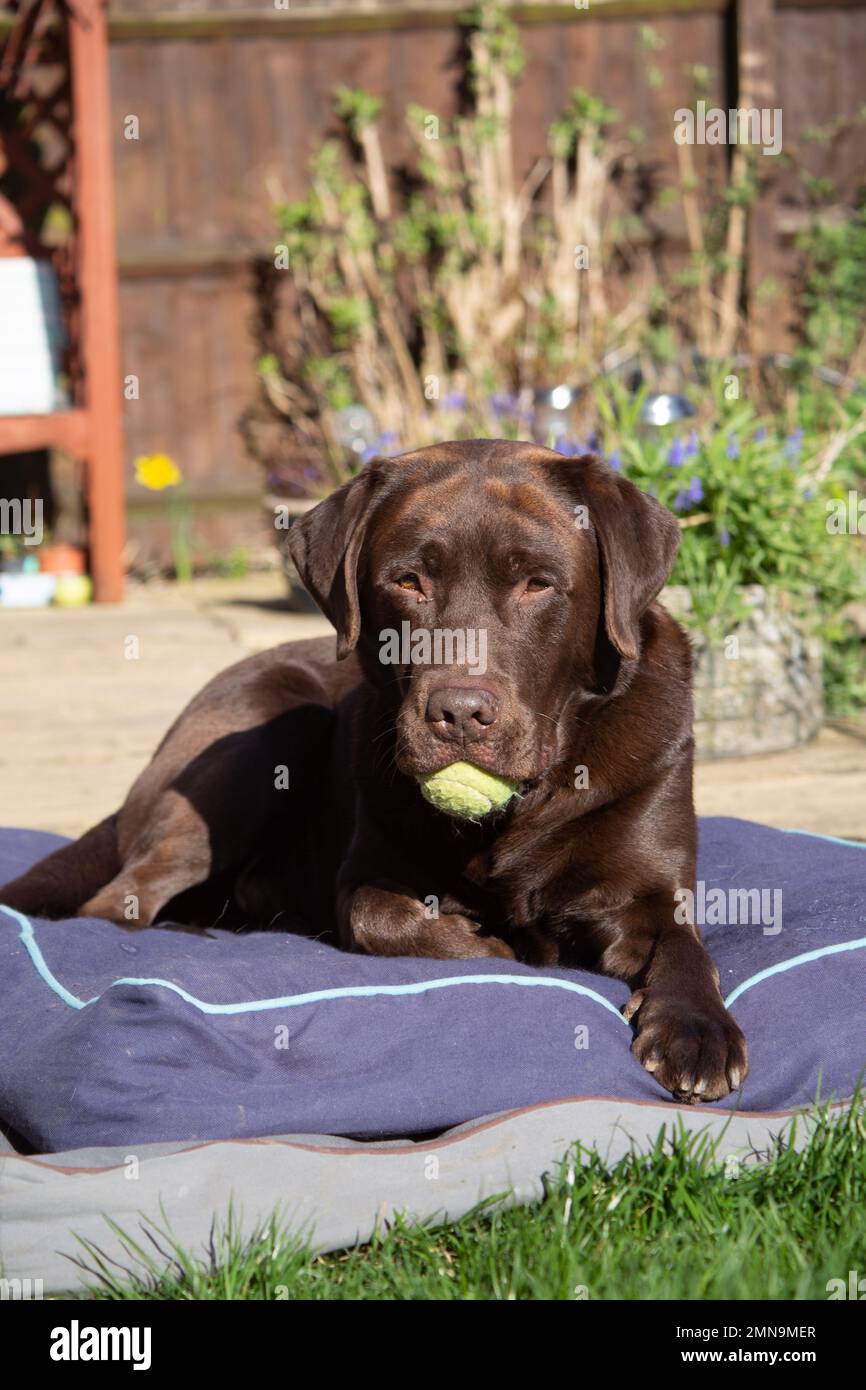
(67, 40)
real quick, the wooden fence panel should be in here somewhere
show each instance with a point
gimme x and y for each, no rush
(231, 107)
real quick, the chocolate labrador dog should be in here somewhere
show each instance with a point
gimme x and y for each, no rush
(287, 791)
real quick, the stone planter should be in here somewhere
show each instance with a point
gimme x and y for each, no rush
(758, 688)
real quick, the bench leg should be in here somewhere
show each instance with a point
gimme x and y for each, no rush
(100, 319)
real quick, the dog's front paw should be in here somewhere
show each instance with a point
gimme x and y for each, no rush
(385, 922)
(693, 1047)
(459, 938)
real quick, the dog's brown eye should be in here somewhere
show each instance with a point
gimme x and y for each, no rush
(536, 586)
(409, 581)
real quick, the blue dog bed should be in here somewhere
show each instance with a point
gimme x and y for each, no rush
(114, 1038)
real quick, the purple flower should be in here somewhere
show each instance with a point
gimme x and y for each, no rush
(696, 490)
(808, 493)
(570, 447)
(503, 403)
(681, 501)
(593, 442)
(760, 435)
(615, 461)
(455, 400)
(381, 445)
(733, 449)
(692, 445)
(724, 536)
(677, 455)
(793, 444)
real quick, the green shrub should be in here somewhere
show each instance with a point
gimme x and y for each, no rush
(753, 501)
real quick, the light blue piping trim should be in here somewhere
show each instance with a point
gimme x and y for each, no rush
(291, 1001)
(27, 936)
(833, 839)
(807, 956)
(784, 965)
(416, 987)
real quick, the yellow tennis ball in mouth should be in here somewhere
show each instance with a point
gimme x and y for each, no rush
(466, 791)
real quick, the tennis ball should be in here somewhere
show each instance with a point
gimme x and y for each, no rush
(466, 791)
(72, 590)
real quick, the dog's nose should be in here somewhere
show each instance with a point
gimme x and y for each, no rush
(461, 714)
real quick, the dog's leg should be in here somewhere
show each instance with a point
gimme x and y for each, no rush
(389, 922)
(188, 819)
(171, 853)
(684, 1034)
(56, 886)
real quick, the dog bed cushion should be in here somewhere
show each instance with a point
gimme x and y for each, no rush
(109, 1037)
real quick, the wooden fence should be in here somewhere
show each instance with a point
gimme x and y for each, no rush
(230, 98)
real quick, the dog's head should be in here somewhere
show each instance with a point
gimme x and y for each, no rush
(485, 584)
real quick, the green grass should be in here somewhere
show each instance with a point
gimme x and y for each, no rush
(670, 1224)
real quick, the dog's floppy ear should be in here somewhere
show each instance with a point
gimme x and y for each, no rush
(638, 540)
(325, 545)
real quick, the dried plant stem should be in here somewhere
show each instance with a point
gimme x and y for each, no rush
(734, 248)
(857, 365)
(695, 233)
(562, 278)
(389, 323)
(820, 465)
(377, 176)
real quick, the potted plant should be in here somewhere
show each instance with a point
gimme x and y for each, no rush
(60, 557)
(760, 580)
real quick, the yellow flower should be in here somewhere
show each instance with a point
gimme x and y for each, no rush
(157, 471)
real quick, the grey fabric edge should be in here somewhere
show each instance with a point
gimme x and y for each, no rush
(337, 1192)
